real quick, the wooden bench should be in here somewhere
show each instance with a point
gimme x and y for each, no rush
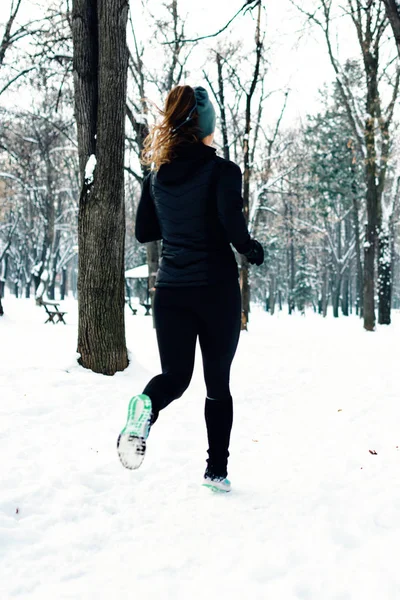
(52, 311)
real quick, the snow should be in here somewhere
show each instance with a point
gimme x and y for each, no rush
(141, 118)
(313, 515)
(44, 278)
(141, 272)
(89, 169)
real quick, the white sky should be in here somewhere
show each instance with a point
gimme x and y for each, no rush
(297, 52)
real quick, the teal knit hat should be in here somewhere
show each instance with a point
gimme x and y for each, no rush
(205, 111)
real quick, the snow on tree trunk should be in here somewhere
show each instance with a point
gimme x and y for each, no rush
(100, 75)
(385, 277)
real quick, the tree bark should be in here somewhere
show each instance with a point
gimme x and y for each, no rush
(100, 65)
(64, 281)
(385, 278)
(336, 287)
(85, 65)
(372, 223)
(221, 97)
(292, 263)
(345, 292)
(272, 293)
(393, 14)
(244, 271)
(356, 222)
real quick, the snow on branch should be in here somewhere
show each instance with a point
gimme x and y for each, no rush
(256, 202)
(89, 169)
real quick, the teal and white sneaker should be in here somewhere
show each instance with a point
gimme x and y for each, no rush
(131, 444)
(216, 483)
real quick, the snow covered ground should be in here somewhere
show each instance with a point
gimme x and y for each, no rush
(313, 515)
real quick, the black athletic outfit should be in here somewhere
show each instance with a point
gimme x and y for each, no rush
(194, 205)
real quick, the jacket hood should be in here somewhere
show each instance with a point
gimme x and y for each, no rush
(190, 157)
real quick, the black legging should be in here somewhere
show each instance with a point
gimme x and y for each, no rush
(211, 313)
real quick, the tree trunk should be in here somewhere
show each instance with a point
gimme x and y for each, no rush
(336, 295)
(221, 96)
(351, 292)
(372, 196)
(292, 264)
(53, 275)
(28, 290)
(345, 292)
(244, 271)
(272, 293)
(100, 64)
(323, 309)
(385, 278)
(393, 14)
(64, 281)
(346, 274)
(2, 286)
(369, 288)
(356, 222)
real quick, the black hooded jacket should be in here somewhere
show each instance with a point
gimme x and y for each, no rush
(194, 204)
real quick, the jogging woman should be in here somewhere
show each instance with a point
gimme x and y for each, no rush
(192, 201)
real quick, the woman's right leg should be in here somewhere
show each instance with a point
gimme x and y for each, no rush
(177, 329)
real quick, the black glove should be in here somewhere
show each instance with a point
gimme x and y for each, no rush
(255, 255)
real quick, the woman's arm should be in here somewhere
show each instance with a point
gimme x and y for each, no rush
(147, 227)
(230, 206)
(230, 212)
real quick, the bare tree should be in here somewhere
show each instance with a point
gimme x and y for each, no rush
(372, 134)
(244, 271)
(12, 34)
(248, 5)
(166, 75)
(220, 98)
(100, 76)
(393, 14)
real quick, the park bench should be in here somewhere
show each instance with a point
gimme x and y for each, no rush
(52, 310)
(128, 302)
(147, 307)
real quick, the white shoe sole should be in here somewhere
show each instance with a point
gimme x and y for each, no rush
(217, 486)
(131, 444)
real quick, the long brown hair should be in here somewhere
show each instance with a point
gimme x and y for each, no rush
(160, 146)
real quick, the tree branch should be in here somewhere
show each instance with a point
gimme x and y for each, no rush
(249, 5)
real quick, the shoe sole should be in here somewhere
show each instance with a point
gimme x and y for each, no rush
(215, 488)
(131, 444)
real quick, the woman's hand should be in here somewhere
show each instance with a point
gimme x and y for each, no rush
(255, 255)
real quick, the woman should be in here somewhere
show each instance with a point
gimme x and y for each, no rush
(192, 201)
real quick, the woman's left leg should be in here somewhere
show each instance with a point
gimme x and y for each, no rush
(218, 336)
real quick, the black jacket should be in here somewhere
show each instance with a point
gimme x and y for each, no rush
(194, 204)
